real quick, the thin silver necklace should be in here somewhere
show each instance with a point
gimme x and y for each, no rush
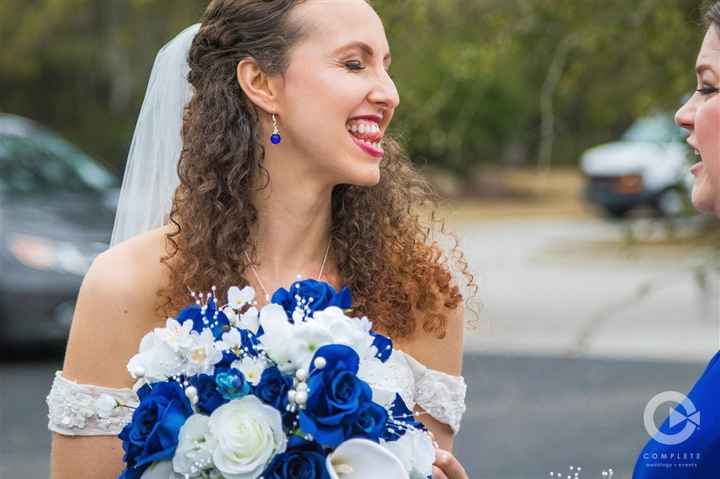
(257, 276)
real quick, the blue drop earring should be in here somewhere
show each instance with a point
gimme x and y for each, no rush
(275, 138)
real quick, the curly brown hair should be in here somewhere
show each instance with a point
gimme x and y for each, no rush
(379, 236)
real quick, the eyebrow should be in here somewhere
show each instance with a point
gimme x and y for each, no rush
(364, 47)
(702, 68)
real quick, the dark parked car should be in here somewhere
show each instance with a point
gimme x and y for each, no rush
(56, 214)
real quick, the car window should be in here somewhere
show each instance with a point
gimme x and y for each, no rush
(44, 163)
(659, 128)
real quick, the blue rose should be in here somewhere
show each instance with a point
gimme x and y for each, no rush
(322, 294)
(335, 396)
(152, 435)
(370, 421)
(273, 387)
(301, 460)
(209, 398)
(231, 383)
(209, 318)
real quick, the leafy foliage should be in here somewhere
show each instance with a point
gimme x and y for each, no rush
(480, 80)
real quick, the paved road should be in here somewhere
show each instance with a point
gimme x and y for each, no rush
(527, 415)
(570, 288)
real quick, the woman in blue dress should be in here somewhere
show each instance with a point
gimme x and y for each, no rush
(687, 444)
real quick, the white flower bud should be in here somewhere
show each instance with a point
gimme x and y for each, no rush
(191, 393)
(105, 405)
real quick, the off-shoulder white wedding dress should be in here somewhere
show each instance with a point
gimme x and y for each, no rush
(86, 410)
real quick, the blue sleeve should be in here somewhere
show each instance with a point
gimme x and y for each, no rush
(696, 453)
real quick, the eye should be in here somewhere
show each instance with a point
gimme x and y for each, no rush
(354, 66)
(707, 90)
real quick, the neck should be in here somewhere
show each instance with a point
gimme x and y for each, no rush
(293, 226)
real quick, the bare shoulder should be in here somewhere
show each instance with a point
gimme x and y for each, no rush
(443, 354)
(115, 308)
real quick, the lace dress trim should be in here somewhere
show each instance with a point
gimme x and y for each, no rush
(88, 410)
(440, 394)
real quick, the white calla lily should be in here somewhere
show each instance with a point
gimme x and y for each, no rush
(361, 459)
(415, 451)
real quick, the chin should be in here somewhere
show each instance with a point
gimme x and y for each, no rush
(365, 176)
(367, 182)
(705, 201)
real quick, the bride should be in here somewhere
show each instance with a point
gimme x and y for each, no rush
(284, 168)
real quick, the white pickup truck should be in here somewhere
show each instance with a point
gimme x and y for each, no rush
(648, 166)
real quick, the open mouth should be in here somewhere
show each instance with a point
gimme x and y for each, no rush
(367, 136)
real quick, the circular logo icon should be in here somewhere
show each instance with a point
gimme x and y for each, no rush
(690, 417)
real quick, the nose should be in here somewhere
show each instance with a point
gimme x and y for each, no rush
(685, 116)
(385, 93)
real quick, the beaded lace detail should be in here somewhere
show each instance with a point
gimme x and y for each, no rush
(440, 394)
(88, 410)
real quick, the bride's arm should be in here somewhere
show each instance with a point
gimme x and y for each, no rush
(111, 316)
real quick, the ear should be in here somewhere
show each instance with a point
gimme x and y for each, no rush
(260, 88)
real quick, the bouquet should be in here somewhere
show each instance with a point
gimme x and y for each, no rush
(227, 391)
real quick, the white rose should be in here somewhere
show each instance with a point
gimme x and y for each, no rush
(353, 332)
(245, 435)
(192, 450)
(278, 334)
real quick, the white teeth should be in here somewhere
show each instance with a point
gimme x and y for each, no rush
(363, 127)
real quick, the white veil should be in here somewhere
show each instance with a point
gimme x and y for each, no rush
(151, 176)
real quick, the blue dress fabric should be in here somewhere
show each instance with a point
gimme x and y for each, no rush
(697, 457)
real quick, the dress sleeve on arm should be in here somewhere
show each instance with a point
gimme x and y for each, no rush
(88, 410)
(442, 395)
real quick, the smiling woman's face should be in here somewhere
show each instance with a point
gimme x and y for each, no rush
(337, 97)
(701, 117)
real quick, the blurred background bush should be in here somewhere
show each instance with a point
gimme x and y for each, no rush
(482, 82)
